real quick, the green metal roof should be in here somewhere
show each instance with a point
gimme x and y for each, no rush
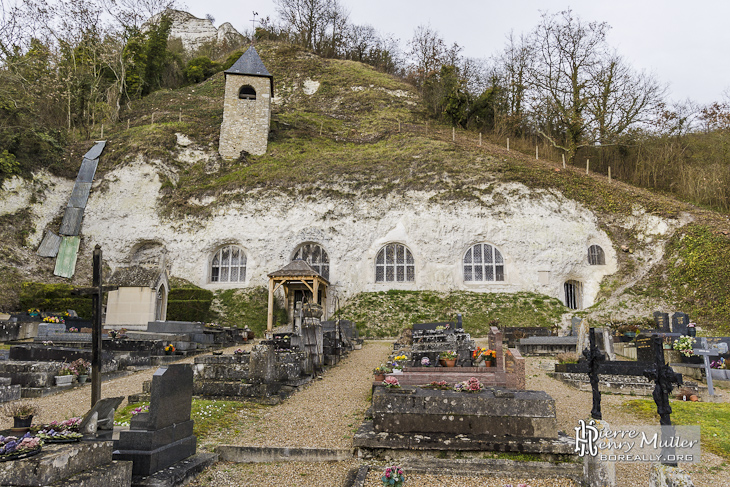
(66, 258)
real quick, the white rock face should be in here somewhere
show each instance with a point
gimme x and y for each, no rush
(195, 32)
(544, 239)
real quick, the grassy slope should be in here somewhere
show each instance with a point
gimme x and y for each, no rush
(347, 132)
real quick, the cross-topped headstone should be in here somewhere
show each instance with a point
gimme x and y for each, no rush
(97, 293)
(706, 354)
(594, 357)
(665, 378)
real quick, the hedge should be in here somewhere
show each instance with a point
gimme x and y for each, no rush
(54, 298)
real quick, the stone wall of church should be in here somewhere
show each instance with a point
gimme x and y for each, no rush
(245, 122)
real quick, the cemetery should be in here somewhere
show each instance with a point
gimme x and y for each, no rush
(439, 402)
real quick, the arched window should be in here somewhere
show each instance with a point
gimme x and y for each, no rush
(482, 263)
(247, 92)
(394, 263)
(596, 255)
(228, 265)
(315, 256)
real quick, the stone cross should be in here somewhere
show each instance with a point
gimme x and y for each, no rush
(97, 293)
(706, 354)
(594, 357)
(665, 378)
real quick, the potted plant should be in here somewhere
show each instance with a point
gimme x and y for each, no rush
(66, 375)
(393, 476)
(82, 367)
(380, 371)
(448, 358)
(169, 349)
(22, 414)
(14, 448)
(692, 329)
(391, 382)
(425, 362)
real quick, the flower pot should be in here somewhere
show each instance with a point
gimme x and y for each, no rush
(83, 378)
(64, 380)
(448, 363)
(379, 377)
(691, 331)
(489, 363)
(22, 422)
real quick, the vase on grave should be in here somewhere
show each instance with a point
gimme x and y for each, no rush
(691, 331)
(83, 379)
(379, 377)
(64, 380)
(448, 362)
(22, 423)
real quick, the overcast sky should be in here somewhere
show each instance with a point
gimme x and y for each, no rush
(685, 43)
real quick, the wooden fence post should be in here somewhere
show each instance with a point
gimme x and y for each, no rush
(563, 155)
(480, 139)
(609, 174)
(537, 153)
(588, 163)
(453, 134)
(507, 144)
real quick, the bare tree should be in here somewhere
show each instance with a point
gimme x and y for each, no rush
(567, 59)
(623, 98)
(427, 52)
(316, 24)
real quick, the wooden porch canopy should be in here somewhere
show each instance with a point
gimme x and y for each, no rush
(296, 275)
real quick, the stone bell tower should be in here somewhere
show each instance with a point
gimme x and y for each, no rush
(246, 107)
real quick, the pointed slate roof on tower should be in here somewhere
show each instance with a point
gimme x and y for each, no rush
(250, 64)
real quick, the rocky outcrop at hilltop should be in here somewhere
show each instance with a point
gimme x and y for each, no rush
(195, 32)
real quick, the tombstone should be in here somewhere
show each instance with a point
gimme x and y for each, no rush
(662, 321)
(706, 354)
(99, 421)
(164, 435)
(575, 322)
(679, 323)
(583, 341)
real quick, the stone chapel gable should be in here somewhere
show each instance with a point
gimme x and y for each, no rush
(246, 107)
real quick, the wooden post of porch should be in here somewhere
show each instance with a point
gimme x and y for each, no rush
(270, 318)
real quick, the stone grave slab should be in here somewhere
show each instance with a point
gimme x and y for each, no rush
(100, 417)
(175, 327)
(520, 414)
(61, 464)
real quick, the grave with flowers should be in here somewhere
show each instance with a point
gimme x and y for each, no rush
(462, 408)
(506, 366)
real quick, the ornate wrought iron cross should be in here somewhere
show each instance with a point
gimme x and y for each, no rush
(594, 357)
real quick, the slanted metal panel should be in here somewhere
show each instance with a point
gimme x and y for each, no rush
(49, 245)
(95, 151)
(66, 259)
(79, 195)
(87, 170)
(72, 218)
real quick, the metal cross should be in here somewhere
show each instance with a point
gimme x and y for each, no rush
(594, 357)
(253, 26)
(665, 379)
(97, 294)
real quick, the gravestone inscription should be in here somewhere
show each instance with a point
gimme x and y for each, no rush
(679, 323)
(662, 321)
